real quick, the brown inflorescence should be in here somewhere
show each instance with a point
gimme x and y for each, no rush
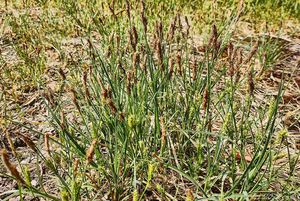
(178, 62)
(143, 16)
(250, 82)
(171, 67)
(28, 142)
(11, 167)
(171, 30)
(163, 131)
(62, 74)
(84, 82)
(205, 99)
(90, 152)
(75, 166)
(252, 52)
(74, 98)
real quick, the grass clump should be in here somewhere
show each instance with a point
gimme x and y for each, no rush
(144, 113)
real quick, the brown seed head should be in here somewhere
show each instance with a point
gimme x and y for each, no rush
(74, 98)
(178, 62)
(171, 30)
(28, 142)
(194, 69)
(90, 152)
(229, 52)
(188, 26)
(143, 15)
(159, 30)
(112, 106)
(62, 74)
(112, 9)
(213, 37)
(104, 91)
(62, 120)
(135, 59)
(131, 40)
(179, 22)
(111, 38)
(144, 64)
(47, 144)
(135, 35)
(118, 41)
(84, 82)
(75, 167)
(230, 60)
(252, 52)
(171, 67)
(163, 131)
(129, 80)
(205, 99)
(128, 10)
(159, 54)
(239, 56)
(239, 61)
(250, 82)
(11, 167)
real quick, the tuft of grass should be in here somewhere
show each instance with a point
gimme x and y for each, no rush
(142, 112)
